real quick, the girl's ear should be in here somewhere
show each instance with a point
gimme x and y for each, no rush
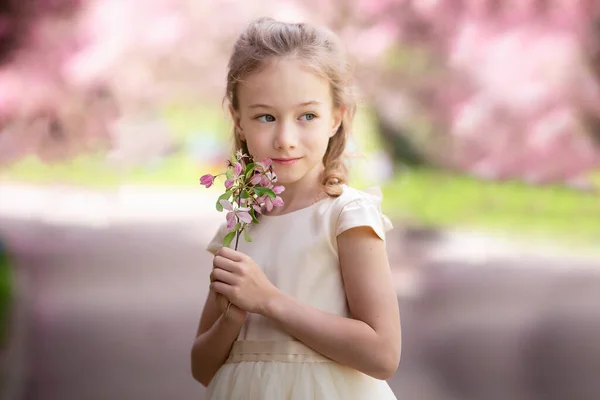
(235, 116)
(338, 114)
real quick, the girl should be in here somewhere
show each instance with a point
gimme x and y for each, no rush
(308, 310)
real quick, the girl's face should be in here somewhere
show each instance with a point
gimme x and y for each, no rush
(286, 113)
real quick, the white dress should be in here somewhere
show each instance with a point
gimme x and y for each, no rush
(298, 253)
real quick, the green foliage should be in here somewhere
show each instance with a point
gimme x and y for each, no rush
(5, 295)
(261, 191)
(420, 196)
(224, 196)
(94, 171)
(228, 238)
(436, 198)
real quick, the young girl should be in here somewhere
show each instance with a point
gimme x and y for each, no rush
(307, 309)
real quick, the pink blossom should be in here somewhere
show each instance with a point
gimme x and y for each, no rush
(268, 204)
(240, 155)
(257, 208)
(278, 189)
(277, 201)
(229, 183)
(264, 181)
(207, 180)
(256, 179)
(266, 163)
(272, 177)
(244, 216)
(226, 205)
(231, 220)
(237, 169)
(241, 214)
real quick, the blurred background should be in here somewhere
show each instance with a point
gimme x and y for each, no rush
(480, 120)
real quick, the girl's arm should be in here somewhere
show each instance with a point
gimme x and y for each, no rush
(215, 336)
(369, 341)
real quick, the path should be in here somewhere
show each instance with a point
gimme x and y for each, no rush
(113, 307)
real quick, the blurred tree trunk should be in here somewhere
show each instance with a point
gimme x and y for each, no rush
(398, 143)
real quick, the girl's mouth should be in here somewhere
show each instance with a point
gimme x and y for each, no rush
(285, 161)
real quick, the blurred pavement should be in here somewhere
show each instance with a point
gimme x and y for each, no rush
(114, 283)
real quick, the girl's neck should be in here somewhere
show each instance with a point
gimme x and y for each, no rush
(301, 194)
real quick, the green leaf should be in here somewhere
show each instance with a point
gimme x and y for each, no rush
(228, 238)
(252, 214)
(247, 236)
(249, 168)
(260, 190)
(237, 227)
(245, 194)
(224, 196)
(229, 173)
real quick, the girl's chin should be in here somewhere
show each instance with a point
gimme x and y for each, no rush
(283, 178)
(283, 181)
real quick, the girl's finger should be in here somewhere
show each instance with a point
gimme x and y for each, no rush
(222, 288)
(230, 254)
(222, 275)
(225, 263)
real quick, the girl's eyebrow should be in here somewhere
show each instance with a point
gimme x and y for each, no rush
(306, 103)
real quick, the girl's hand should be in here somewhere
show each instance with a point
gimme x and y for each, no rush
(237, 277)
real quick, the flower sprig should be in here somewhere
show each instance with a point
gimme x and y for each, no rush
(249, 190)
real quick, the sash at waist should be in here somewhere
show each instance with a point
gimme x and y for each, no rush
(278, 351)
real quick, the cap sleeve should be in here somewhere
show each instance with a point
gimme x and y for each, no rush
(365, 210)
(217, 241)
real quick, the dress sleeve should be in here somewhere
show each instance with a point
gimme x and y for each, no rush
(364, 211)
(217, 241)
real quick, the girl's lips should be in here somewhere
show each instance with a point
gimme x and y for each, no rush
(285, 161)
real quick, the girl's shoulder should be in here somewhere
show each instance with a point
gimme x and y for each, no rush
(372, 195)
(355, 207)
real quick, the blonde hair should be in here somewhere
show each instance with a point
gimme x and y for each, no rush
(321, 50)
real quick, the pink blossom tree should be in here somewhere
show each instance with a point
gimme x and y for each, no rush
(499, 89)
(69, 69)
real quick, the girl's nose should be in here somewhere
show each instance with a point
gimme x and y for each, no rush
(285, 137)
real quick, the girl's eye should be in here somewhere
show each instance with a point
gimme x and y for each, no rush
(266, 118)
(308, 116)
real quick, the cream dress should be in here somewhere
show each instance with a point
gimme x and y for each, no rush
(298, 253)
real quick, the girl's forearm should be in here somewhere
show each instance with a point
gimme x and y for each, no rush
(348, 341)
(211, 349)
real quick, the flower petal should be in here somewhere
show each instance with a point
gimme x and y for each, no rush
(268, 204)
(239, 155)
(278, 189)
(229, 183)
(237, 168)
(266, 163)
(277, 201)
(226, 205)
(272, 176)
(256, 179)
(257, 208)
(244, 217)
(231, 220)
(207, 180)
